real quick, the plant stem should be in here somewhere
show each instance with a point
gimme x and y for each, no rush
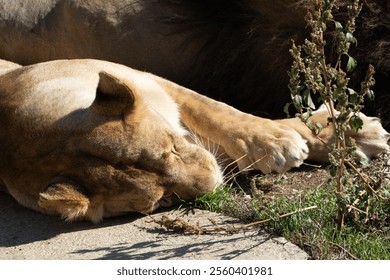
(338, 131)
(281, 216)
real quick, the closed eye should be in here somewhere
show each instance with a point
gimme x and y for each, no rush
(174, 151)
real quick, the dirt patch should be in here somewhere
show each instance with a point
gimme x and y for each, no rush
(310, 176)
(292, 183)
(296, 183)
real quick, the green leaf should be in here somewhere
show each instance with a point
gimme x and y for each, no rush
(370, 95)
(333, 171)
(351, 91)
(364, 162)
(319, 128)
(353, 96)
(285, 109)
(356, 123)
(351, 64)
(294, 72)
(338, 26)
(353, 99)
(297, 101)
(310, 102)
(307, 98)
(350, 38)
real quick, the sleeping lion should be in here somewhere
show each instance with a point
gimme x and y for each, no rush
(87, 139)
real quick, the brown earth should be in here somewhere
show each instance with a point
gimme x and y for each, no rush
(298, 182)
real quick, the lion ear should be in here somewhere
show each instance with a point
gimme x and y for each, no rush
(65, 198)
(113, 97)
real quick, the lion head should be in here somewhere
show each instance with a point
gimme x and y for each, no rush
(109, 152)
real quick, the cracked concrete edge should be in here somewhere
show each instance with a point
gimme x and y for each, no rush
(26, 234)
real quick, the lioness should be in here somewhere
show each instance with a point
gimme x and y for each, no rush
(87, 139)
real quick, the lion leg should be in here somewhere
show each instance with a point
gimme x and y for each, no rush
(253, 142)
(371, 140)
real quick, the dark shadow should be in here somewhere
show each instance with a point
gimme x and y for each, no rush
(158, 250)
(19, 225)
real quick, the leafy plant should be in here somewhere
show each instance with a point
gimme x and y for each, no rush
(307, 218)
(313, 73)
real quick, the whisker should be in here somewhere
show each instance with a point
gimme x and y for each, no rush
(229, 177)
(221, 160)
(232, 163)
(196, 139)
(216, 152)
(213, 148)
(210, 146)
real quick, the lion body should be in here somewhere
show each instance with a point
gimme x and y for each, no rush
(89, 139)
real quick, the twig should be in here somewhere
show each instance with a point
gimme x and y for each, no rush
(361, 176)
(312, 165)
(179, 225)
(281, 216)
(357, 200)
(351, 207)
(343, 249)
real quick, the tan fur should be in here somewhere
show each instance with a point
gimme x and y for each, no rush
(88, 139)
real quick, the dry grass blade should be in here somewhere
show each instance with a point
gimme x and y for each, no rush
(179, 225)
(281, 216)
(344, 250)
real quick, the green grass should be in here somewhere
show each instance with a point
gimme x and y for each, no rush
(217, 201)
(314, 230)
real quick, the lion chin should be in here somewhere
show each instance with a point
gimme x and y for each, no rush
(87, 139)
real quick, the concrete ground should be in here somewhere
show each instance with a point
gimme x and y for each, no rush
(25, 234)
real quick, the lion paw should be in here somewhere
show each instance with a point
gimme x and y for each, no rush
(371, 140)
(267, 146)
